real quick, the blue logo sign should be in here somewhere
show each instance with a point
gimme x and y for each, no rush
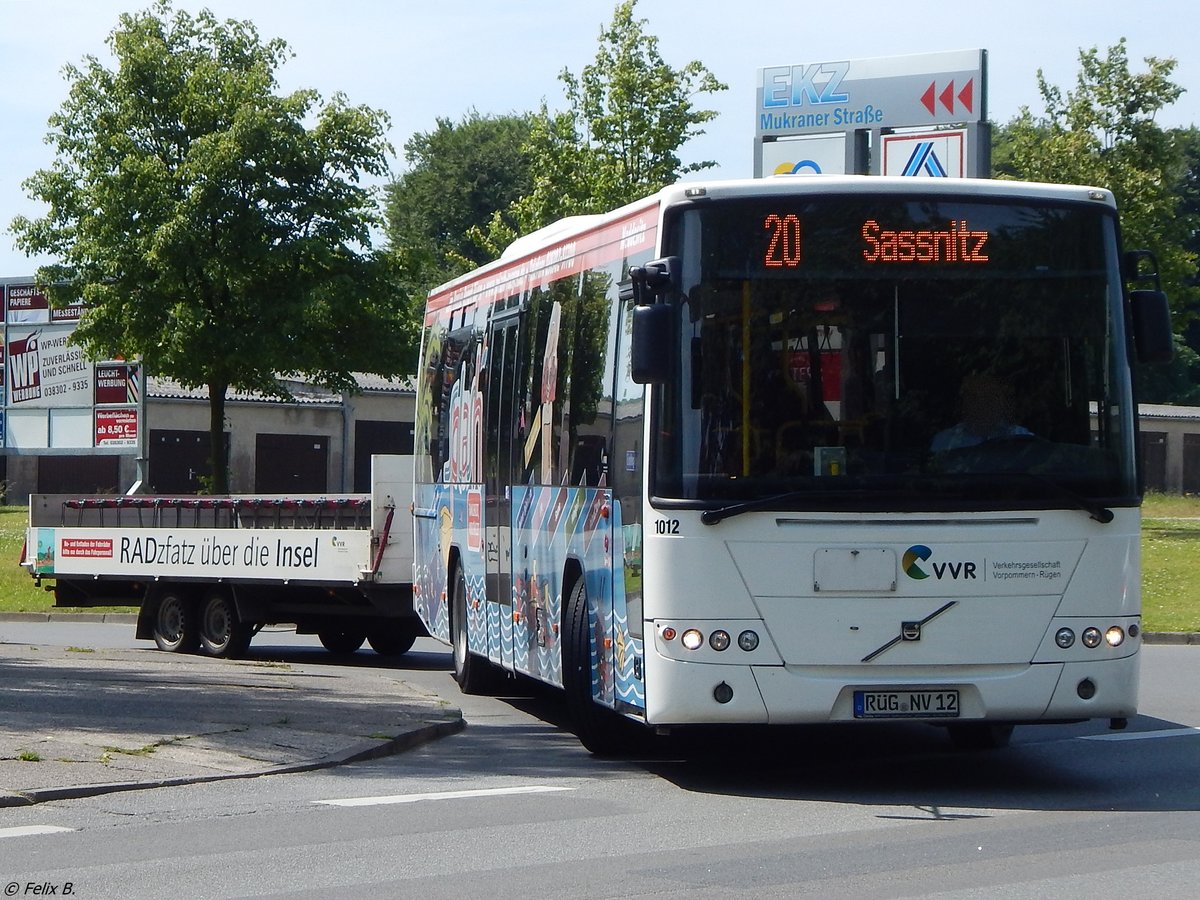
(923, 157)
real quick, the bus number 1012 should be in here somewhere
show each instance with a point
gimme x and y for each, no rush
(666, 526)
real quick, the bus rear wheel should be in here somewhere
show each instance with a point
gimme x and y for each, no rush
(222, 633)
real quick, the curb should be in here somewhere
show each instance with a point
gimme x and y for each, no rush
(396, 745)
(88, 618)
(1171, 637)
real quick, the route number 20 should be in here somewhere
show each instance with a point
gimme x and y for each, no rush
(784, 247)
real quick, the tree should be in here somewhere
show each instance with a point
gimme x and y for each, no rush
(1104, 133)
(460, 175)
(629, 113)
(206, 227)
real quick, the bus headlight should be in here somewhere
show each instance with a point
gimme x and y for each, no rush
(1115, 636)
(748, 641)
(1064, 637)
(1091, 637)
(693, 639)
(719, 640)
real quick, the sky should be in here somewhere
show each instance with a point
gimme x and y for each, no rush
(420, 61)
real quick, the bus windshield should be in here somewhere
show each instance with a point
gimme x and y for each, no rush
(895, 353)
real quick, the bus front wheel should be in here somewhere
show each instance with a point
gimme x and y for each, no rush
(472, 672)
(601, 730)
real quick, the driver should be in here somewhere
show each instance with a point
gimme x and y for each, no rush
(987, 406)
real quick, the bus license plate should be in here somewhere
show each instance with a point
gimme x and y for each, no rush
(905, 704)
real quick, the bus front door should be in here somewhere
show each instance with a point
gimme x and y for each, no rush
(498, 471)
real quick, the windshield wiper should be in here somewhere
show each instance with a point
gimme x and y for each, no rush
(1097, 511)
(713, 516)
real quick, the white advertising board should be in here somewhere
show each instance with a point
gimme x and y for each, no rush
(328, 556)
(822, 155)
(932, 154)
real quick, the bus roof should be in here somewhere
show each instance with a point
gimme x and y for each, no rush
(547, 252)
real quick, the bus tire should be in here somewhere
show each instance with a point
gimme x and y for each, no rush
(972, 737)
(175, 627)
(222, 633)
(472, 672)
(341, 642)
(392, 640)
(601, 730)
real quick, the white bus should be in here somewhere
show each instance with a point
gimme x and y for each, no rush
(794, 450)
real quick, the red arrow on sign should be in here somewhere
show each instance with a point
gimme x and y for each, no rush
(966, 96)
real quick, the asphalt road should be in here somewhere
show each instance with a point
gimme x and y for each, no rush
(514, 807)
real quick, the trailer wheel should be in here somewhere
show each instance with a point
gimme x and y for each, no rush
(175, 627)
(393, 640)
(341, 642)
(222, 634)
(473, 673)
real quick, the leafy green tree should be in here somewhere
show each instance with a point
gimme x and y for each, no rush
(629, 112)
(214, 228)
(1104, 133)
(460, 175)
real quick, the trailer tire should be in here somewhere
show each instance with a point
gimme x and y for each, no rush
(175, 626)
(222, 633)
(392, 640)
(341, 642)
(473, 673)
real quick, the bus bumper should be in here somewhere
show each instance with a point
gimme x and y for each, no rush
(696, 693)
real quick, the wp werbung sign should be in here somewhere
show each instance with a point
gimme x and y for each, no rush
(53, 396)
(44, 370)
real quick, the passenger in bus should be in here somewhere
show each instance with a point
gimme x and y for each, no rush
(988, 414)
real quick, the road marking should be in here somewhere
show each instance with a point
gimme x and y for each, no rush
(443, 795)
(1142, 735)
(27, 830)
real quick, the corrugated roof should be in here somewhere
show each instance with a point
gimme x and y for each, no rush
(303, 392)
(1165, 411)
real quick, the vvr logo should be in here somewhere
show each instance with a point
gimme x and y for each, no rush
(919, 553)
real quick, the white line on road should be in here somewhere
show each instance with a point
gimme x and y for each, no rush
(1141, 735)
(27, 830)
(443, 795)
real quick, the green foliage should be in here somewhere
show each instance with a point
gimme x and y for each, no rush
(18, 592)
(214, 228)
(459, 176)
(1104, 133)
(628, 114)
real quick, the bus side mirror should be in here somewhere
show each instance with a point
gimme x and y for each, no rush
(650, 351)
(1152, 336)
(652, 281)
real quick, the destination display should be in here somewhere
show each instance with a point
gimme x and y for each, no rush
(766, 238)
